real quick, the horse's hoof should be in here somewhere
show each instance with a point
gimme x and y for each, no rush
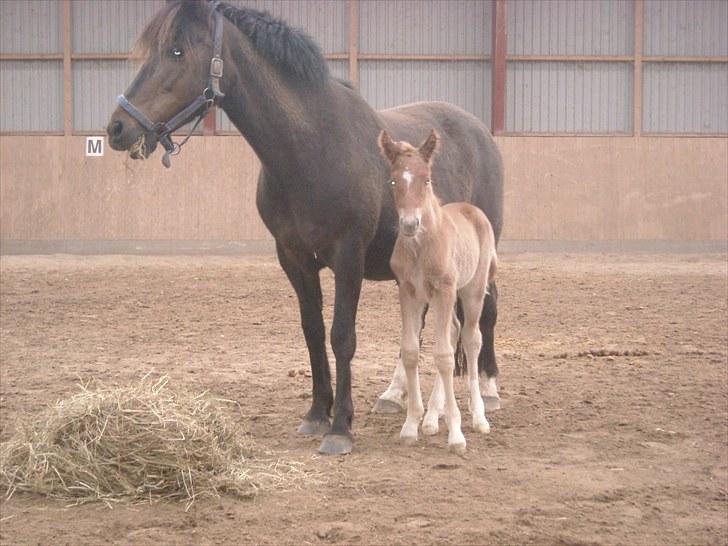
(314, 428)
(385, 406)
(408, 440)
(336, 444)
(430, 429)
(482, 427)
(458, 449)
(492, 403)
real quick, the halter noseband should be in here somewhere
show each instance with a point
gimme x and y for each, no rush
(198, 107)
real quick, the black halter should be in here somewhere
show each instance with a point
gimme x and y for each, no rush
(198, 107)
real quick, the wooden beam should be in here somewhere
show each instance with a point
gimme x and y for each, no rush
(354, 42)
(498, 67)
(67, 73)
(637, 88)
(416, 57)
(571, 58)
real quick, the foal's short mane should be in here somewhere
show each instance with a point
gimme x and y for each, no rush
(290, 49)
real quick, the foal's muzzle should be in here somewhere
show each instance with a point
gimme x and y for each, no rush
(409, 225)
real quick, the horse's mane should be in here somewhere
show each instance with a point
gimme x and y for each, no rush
(290, 49)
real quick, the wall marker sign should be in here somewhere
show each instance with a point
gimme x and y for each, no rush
(94, 146)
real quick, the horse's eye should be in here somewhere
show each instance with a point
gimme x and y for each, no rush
(393, 182)
(427, 181)
(176, 52)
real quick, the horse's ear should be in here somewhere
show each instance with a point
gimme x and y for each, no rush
(429, 146)
(388, 147)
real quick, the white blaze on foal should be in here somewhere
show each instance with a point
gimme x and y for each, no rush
(442, 253)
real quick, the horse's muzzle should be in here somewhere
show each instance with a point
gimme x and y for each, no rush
(409, 225)
(127, 135)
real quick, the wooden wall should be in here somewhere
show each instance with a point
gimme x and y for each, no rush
(557, 189)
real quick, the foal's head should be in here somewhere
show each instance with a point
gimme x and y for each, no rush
(410, 178)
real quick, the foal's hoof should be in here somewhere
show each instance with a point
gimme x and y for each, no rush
(492, 403)
(387, 406)
(458, 449)
(336, 444)
(314, 428)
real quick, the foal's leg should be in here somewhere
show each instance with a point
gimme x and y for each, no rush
(303, 273)
(436, 404)
(393, 399)
(410, 350)
(444, 356)
(486, 359)
(472, 300)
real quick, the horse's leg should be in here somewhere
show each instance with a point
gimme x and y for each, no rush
(444, 356)
(436, 403)
(486, 359)
(303, 273)
(472, 300)
(349, 273)
(393, 399)
(410, 352)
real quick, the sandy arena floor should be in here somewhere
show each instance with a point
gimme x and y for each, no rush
(625, 448)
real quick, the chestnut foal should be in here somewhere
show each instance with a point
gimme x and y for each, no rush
(442, 253)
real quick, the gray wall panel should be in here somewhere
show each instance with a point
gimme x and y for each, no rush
(31, 26)
(327, 21)
(31, 96)
(434, 27)
(390, 83)
(568, 97)
(680, 27)
(111, 26)
(570, 27)
(96, 85)
(685, 98)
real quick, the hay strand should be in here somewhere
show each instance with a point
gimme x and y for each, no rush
(139, 443)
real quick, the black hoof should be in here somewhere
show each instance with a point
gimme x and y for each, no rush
(314, 428)
(336, 444)
(387, 407)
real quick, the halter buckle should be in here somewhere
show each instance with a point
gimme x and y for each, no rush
(216, 67)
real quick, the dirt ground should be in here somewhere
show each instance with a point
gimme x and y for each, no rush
(614, 382)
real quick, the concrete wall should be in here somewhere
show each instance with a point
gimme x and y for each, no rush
(557, 189)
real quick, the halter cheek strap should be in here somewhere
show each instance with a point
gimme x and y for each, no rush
(198, 107)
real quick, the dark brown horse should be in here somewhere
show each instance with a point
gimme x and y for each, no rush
(322, 190)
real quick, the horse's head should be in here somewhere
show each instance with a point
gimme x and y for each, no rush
(174, 78)
(410, 178)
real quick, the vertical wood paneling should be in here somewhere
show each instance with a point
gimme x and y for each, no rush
(96, 84)
(686, 27)
(31, 96)
(569, 97)
(111, 26)
(30, 27)
(432, 27)
(570, 27)
(466, 84)
(685, 98)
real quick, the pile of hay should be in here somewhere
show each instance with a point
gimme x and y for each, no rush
(141, 442)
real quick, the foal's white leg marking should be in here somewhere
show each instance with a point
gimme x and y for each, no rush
(410, 347)
(436, 404)
(435, 408)
(393, 399)
(444, 354)
(472, 341)
(492, 399)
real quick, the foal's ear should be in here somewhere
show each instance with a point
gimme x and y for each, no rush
(429, 146)
(388, 147)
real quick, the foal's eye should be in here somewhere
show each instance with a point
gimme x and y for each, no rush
(176, 52)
